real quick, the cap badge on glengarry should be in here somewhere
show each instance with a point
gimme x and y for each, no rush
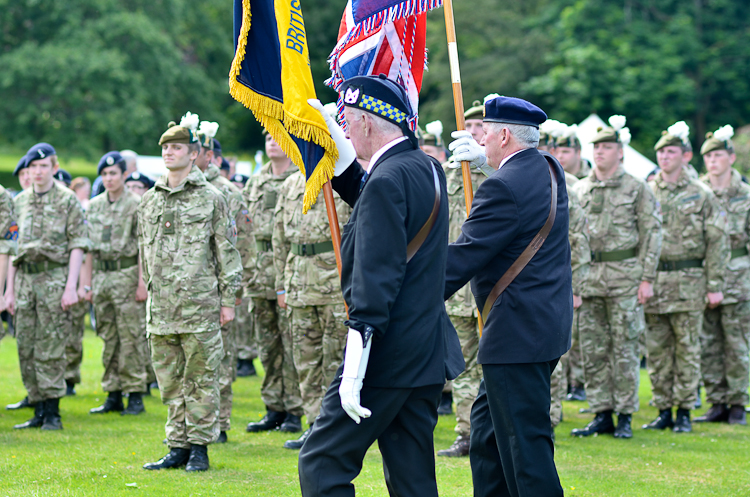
(351, 96)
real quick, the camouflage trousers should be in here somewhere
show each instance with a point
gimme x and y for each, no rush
(572, 360)
(318, 338)
(557, 388)
(227, 375)
(43, 330)
(672, 341)
(121, 324)
(187, 368)
(466, 385)
(243, 332)
(273, 337)
(608, 329)
(724, 354)
(74, 347)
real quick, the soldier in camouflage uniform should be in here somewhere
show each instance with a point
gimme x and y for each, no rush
(691, 269)
(568, 153)
(308, 286)
(193, 275)
(245, 244)
(119, 293)
(9, 229)
(625, 238)
(74, 347)
(42, 284)
(725, 365)
(280, 390)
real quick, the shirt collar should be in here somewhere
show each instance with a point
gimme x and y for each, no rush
(383, 150)
(502, 163)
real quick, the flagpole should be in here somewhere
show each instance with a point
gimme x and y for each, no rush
(333, 221)
(458, 104)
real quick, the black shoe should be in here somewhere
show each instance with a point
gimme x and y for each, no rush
(270, 421)
(446, 404)
(662, 421)
(20, 405)
(737, 415)
(602, 423)
(175, 459)
(147, 393)
(36, 421)
(198, 458)
(135, 404)
(577, 394)
(623, 429)
(643, 362)
(291, 424)
(222, 438)
(245, 368)
(70, 388)
(682, 421)
(112, 404)
(717, 413)
(297, 444)
(698, 401)
(460, 448)
(52, 418)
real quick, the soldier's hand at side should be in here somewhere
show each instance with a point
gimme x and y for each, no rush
(10, 303)
(3, 305)
(577, 301)
(714, 299)
(85, 295)
(141, 294)
(645, 292)
(226, 315)
(281, 300)
(69, 298)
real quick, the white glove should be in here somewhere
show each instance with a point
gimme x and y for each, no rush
(466, 148)
(355, 365)
(347, 153)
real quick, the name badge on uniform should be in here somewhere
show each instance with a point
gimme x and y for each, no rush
(107, 233)
(168, 221)
(597, 202)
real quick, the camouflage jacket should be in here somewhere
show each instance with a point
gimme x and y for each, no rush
(189, 263)
(578, 236)
(113, 226)
(307, 279)
(622, 214)
(692, 229)
(260, 194)
(735, 201)
(8, 226)
(584, 170)
(49, 225)
(240, 217)
(462, 303)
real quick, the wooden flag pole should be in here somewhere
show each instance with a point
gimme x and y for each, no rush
(458, 103)
(333, 221)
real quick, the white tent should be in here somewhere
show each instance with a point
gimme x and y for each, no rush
(635, 163)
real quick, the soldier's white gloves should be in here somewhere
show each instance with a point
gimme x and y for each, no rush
(355, 365)
(346, 149)
(466, 148)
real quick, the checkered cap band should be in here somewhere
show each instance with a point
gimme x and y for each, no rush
(383, 109)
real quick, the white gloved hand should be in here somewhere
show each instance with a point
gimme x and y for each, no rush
(355, 365)
(347, 154)
(465, 148)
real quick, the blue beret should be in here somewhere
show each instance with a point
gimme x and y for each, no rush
(225, 164)
(217, 148)
(40, 151)
(377, 95)
(23, 163)
(64, 176)
(141, 178)
(111, 159)
(513, 110)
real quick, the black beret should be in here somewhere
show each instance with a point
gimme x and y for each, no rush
(377, 95)
(240, 178)
(225, 164)
(513, 110)
(141, 178)
(111, 159)
(40, 151)
(64, 176)
(217, 148)
(23, 163)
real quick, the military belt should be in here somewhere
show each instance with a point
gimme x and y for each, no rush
(312, 248)
(614, 256)
(40, 267)
(739, 252)
(263, 245)
(121, 263)
(677, 265)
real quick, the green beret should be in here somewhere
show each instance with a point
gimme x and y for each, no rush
(476, 111)
(432, 135)
(605, 135)
(178, 134)
(677, 135)
(571, 141)
(712, 143)
(667, 140)
(616, 133)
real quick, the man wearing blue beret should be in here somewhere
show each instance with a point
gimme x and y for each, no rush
(514, 249)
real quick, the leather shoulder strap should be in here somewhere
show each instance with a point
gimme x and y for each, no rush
(533, 247)
(424, 231)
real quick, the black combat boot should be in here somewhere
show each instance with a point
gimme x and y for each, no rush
(70, 388)
(135, 404)
(176, 458)
(198, 458)
(112, 404)
(222, 438)
(682, 421)
(291, 424)
(147, 393)
(737, 415)
(717, 413)
(36, 421)
(623, 429)
(245, 368)
(662, 421)
(270, 421)
(577, 394)
(460, 448)
(20, 405)
(52, 418)
(446, 404)
(297, 444)
(698, 401)
(602, 423)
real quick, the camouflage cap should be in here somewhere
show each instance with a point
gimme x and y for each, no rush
(615, 133)
(677, 135)
(721, 139)
(476, 111)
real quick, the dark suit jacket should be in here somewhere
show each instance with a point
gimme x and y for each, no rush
(415, 343)
(531, 321)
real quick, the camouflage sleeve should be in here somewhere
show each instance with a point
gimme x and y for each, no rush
(649, 232)
(279, 242)
(141, 247)
(76, 228)
(245, 242)
(717, 244)
(9, 228)
(228, 259)
(580, 252)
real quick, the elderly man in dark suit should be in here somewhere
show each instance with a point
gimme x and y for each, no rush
(527, 327)
(401, 345)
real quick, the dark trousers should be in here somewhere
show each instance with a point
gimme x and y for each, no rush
(402, 422)
(511, 452)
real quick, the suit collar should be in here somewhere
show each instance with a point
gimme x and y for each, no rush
(399, 147)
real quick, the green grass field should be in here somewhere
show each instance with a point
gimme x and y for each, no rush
(103, 455)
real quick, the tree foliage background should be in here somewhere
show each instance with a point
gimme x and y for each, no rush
(94, 75)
